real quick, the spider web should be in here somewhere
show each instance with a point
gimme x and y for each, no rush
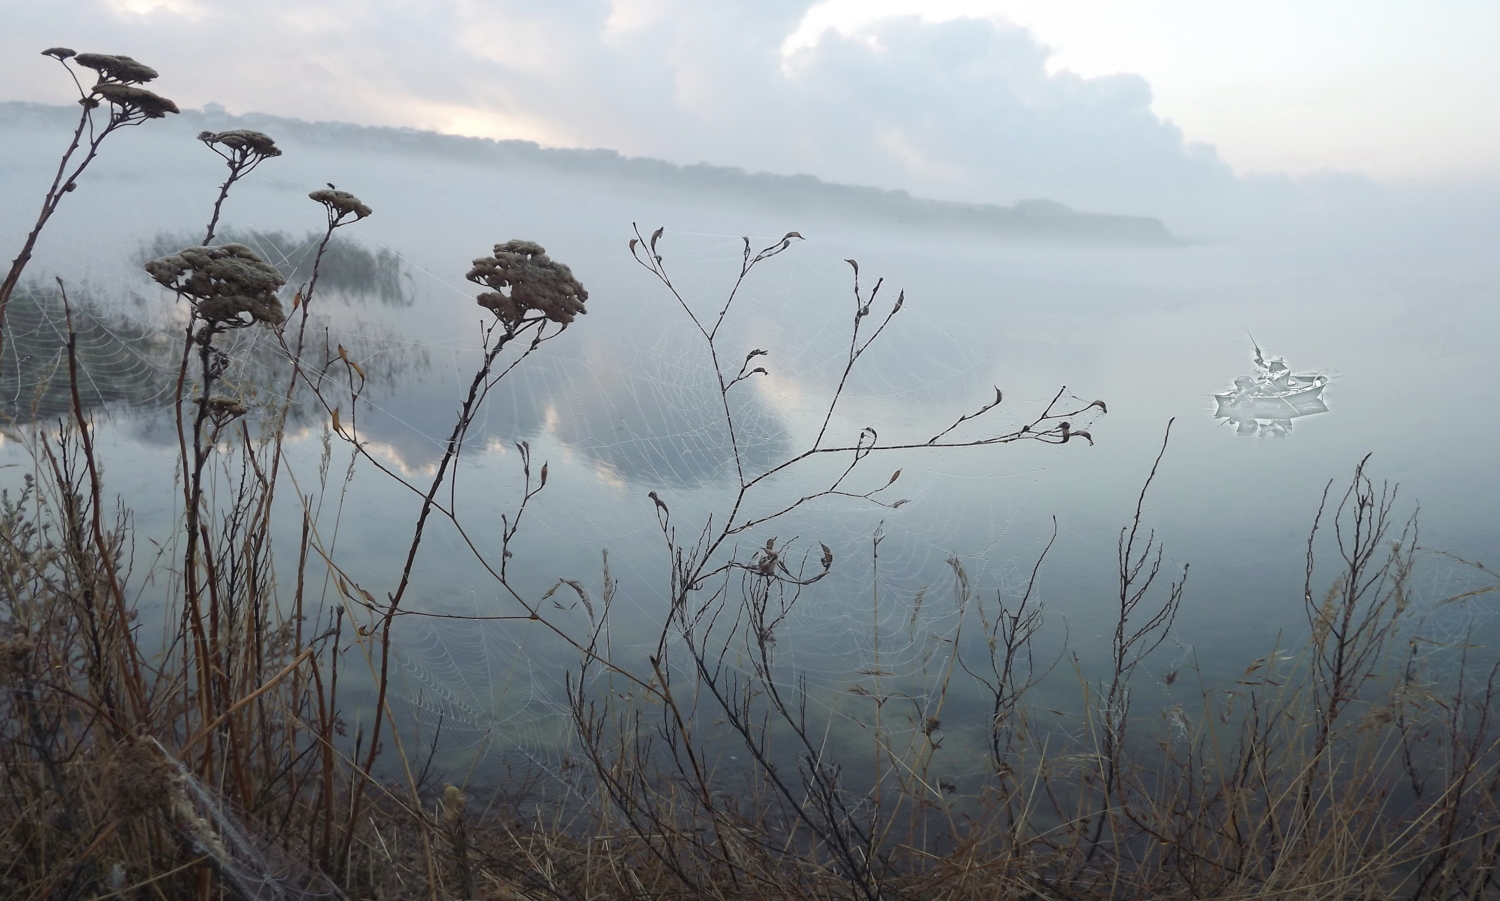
(1455, 604)
(626, 403)
(496, 688)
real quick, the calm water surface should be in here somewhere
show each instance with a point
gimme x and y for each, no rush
(1400, 314)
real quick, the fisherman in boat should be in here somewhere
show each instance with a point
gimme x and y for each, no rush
(1245, 388)
(1278, 377)
(1267, 401)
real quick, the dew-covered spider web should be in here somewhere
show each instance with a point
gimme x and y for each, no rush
(629, 407)
(627, 403)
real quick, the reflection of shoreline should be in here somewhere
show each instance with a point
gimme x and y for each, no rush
(637, 420)
(354, 271)
(122, 362)
(131, 364)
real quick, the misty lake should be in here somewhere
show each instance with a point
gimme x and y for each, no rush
(1395, 308)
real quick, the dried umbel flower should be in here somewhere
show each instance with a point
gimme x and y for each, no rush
(219, 405)
(131, 99)
(121, 69)
(241, 142)
(525, 280)
(15, 654)
(340, 204)
(59, 53)
(223, 282)
(139, 779)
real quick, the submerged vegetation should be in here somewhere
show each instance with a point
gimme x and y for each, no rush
(217, 751)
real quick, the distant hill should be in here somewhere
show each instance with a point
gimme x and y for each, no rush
(1027, 220)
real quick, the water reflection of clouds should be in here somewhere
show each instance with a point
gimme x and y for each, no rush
(633, 420)
(625, 399)
(643, 403)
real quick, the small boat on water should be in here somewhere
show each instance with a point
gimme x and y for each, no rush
(1300, 395)
(1267, 402)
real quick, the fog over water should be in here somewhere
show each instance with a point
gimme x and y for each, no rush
(1392, 295)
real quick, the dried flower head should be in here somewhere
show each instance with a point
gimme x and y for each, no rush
(223, 282)
(131, 99)
(221, 406)
(340, 204)
(139, 780)
(59, 53)
(524, 279)
(121, 69)
(453, 804)
(15, 654)
(241, 142)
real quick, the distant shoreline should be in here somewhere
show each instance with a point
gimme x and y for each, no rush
(1042, 221)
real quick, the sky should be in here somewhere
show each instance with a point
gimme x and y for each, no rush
(1395, 90)
(1101, 102)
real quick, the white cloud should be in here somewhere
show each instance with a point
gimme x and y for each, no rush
(1394, 90)
(967, 108)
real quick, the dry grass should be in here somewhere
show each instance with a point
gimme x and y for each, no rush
(213, 759)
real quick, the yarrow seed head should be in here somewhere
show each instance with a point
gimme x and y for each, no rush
(524, 279)
(224, 282)
(120, 69)
(243, 141)
(340, 204)
(131, 99)
(58, 53)
(219, 405)
(15, 654)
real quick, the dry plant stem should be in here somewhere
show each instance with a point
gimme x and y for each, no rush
(136, 681)
(248, 699)
(1351, 770)
(1358, 614)
(1052, 426)
(82, 859)
(194, 457)
(478, 388)
(63, 181)
(240, 165)
(1139, 565)
(349, 431)
(1010, 638)
(49, 206)
(302, 303)
(819, 805)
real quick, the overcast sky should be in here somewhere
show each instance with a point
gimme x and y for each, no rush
(984, 99)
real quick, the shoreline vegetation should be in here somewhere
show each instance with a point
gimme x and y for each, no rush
(220, 758)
